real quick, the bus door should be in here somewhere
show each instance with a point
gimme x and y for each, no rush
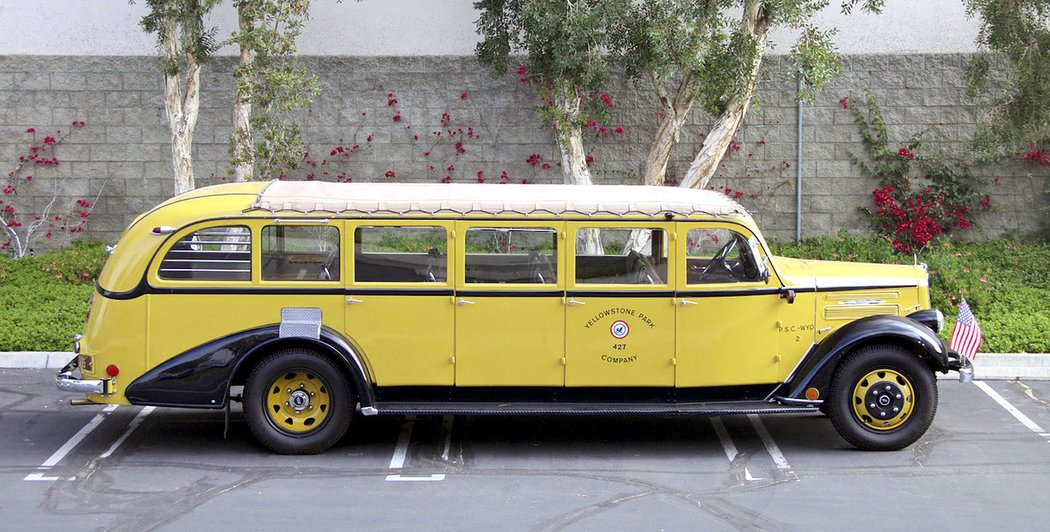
(510, 321)
(619, 318)
(399, 308)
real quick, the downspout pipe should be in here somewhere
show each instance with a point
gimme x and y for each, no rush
(798, 166)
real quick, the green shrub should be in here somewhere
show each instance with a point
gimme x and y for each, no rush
(1005, 283)
(43, 298)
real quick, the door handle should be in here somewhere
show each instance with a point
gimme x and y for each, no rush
(462, 302)
(574, 302)
(351, 301)
(685, 302)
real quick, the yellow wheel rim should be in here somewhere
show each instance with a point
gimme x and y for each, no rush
(298, 401)
(883, 399)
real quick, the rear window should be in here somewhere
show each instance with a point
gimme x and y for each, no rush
(212, 254)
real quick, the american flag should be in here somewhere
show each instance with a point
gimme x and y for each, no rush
(966, 336)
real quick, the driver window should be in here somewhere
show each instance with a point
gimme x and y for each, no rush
(716, 255)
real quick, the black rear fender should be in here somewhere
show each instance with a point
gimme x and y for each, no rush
(201, 377)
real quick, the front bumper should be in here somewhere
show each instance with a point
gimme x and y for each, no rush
(68, 380)
(961, 364)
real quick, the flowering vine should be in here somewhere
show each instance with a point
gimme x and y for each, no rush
(440, 145)
(919, 198)
(20, 226)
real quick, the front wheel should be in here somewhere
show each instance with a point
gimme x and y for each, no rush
(882, 398)
(297, 402)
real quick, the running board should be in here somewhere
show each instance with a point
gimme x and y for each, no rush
(577, 409)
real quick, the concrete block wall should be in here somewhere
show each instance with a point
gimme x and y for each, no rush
(124, 148)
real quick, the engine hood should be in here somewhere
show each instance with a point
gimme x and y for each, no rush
(824, 274)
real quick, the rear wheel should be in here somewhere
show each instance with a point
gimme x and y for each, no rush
(297, 402)
(882, 398)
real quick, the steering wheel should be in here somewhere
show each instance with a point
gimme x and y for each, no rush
(719, 260)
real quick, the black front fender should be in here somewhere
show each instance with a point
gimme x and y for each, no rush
(817, 367)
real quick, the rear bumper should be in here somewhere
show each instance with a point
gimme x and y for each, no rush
(68, 380)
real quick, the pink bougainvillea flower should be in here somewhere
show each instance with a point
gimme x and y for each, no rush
(390, 173)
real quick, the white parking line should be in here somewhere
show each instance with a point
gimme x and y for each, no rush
(728, 446)
(446, 429)
(131, 428)
(401, 449)
(397, 461)
(68, 446)
(771, 446)
(1025, 420)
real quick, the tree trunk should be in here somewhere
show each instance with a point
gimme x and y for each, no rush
(655, 169)
(705, 164)
(574, 162)
(570, 142)
(243, 149)
(181, 104)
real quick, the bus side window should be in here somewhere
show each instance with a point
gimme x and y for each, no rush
(300, 253)
(515, 255)
(625, 256)
(400, 254)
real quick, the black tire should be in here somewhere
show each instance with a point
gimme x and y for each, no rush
(300, 378)
(882, 398)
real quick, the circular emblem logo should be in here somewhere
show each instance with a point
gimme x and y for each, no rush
(619, 329)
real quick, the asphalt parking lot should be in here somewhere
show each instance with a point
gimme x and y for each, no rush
(984, 464)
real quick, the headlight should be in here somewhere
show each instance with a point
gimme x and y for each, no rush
(931, 318)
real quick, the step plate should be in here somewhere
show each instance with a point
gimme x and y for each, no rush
(576, 409)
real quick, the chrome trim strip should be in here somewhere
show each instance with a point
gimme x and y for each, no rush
(798, 402)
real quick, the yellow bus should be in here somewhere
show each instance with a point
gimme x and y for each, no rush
(317, 300)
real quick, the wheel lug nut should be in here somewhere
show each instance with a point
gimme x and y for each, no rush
(895, 409)
(898, 396)
(287, 404)
(301, 386)
(873, 405)
(312, 394)
(887, 387)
